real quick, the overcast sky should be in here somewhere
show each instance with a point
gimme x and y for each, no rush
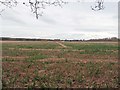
(73, 21)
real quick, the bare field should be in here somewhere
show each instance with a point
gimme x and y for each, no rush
(52, 64)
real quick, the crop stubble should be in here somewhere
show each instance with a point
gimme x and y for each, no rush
(49, 64)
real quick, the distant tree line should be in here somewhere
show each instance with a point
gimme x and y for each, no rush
(105, 39)
(28, 39)
(22, 39)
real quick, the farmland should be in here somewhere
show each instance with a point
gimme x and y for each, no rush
(52, 64)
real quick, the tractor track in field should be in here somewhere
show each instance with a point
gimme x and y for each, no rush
(61, 44)
(76, 60)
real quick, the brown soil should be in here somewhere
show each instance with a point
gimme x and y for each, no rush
(15, 57)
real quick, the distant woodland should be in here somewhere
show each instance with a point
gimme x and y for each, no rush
(32, 39)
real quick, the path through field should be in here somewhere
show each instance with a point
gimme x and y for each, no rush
(61, 44)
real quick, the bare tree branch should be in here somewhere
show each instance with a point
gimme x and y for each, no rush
(99, 5)
(37, 6)
(9, 3)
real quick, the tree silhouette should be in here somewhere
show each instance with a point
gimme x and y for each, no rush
(37, 6)
(7, 4)
(98, 5)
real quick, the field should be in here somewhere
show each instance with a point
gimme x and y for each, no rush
(52, 64)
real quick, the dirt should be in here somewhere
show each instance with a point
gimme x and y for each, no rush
(51, 59)
(75, 60)
(62, 71)
(61, 44)
(16, 57)
(26, 49)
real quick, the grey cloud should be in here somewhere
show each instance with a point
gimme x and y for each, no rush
(48, 20)
(61, 23)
